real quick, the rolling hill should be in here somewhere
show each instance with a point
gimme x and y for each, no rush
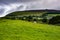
(33, 12)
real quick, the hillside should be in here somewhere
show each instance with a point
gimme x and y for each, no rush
(33, 12)
(25, 13)
(23, 30)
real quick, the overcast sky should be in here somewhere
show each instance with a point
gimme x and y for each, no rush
(8, 6)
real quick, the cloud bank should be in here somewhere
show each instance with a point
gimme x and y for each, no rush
(8, 6)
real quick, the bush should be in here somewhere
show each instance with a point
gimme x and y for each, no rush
(29, 18)
(44, 20)
(55, 20)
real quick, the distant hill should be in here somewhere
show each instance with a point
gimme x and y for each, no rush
(33, 12)
(48, 10)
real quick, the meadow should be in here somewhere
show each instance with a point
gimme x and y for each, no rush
(24, 30)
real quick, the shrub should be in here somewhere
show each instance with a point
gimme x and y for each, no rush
(44, 20)
(55, 20)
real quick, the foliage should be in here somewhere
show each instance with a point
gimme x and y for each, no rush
(55, 20)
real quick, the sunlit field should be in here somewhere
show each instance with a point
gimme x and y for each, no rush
(24, 30)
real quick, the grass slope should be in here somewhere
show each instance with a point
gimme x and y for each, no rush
(21, 30)
(25, 13)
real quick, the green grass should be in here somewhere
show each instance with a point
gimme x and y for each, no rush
(21, 30)
(25, 13)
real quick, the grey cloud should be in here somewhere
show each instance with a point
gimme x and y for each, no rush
(8, 6)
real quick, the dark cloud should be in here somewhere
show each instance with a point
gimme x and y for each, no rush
(14, 1)
(8, 6)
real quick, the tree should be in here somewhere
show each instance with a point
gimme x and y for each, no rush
(44, 20)
(55, 20)
(29, 18)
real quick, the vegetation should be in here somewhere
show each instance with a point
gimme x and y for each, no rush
(23, 30)
(37, 16)
(26, 13)
(55, 20)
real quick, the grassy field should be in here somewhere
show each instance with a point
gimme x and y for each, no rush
(22, 30)
(26, 13)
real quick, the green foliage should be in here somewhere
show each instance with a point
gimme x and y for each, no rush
(37, 16)
(23, 30)
(55, 20)
(22, 13)
(44, 20)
